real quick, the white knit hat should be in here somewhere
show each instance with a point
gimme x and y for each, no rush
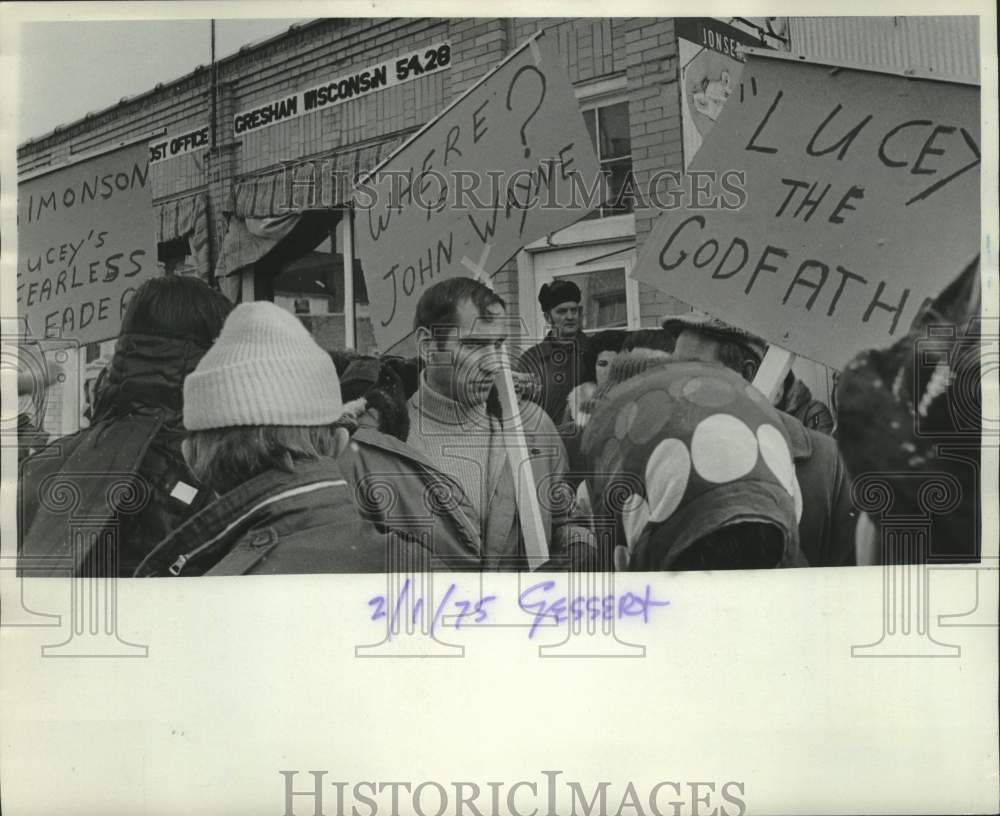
(265, 369)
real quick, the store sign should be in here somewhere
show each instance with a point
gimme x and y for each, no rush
(862, 200)
(472, 188)
(350, 86)
(711, 60)
(86, 239)
(170, 147)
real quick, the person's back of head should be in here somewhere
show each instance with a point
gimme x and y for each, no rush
(263, 398)
(170, 322)
(177, 307)
(655, 339)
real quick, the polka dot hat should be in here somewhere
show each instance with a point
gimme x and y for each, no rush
(685, 449)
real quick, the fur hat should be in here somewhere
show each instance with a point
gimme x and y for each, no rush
(560, 291)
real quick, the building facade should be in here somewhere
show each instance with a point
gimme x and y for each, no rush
(223, 138)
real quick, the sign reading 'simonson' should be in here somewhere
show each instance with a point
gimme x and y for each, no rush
(170, 147)
(368, 80)
(86, 239)
(862, 200)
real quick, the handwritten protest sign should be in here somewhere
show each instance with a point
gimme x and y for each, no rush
(862, 200)
(493, 172)
(86, 240)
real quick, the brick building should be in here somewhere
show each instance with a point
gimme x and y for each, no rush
(221, 137)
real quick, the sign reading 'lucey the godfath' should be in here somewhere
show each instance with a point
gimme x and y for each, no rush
(86, 239)
(862, 200)
(358, 83)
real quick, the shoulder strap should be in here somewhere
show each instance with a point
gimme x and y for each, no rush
(95, 479)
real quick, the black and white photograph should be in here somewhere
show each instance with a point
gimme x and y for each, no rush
(602, 411)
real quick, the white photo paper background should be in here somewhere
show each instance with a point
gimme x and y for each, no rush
(279, 695)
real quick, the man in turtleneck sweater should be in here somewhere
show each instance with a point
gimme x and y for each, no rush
(461, 327)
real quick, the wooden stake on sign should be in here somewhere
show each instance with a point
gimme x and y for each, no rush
(536, 540)
(347, 256)
(772, 372)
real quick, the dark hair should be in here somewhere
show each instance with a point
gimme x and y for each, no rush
(656, 339)
(608, 340)
(438, 306)
(735, 356)
(744, 545)
(177, 306)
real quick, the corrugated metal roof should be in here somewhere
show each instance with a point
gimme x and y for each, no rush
(948, 46)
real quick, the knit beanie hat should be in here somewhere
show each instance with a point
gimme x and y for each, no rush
(265, 369)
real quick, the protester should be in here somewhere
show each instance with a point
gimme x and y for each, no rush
(692, 468)
(456, 461)
(378, 382)
(826, 529)
(911, 422)
(128, 464)
(35, 374)
(606, 345)
(797, 400)
(635, 348)
(266, 424)
(565, 357)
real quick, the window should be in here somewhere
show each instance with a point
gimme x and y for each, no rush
(608, 127)
(603, 298)
(612, 312)
(301, 306)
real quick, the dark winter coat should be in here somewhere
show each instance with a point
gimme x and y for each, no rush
(798, 401)
(276, 523)
(124, 475)
(826, 529)
(559, 366)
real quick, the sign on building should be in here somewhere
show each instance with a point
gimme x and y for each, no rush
(711, 64)
(861, 201)
(361, 82)
(86, 240)
(499, 168)
(179, 144)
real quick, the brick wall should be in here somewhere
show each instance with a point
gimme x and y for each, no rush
(655, 121)
(643, 49)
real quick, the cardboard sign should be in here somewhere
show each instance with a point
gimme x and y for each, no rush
(86, 240)
(861, 200)
(492, 173)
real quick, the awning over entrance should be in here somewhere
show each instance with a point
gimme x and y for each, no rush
(186, 217)
(268, 207)
(322, 182)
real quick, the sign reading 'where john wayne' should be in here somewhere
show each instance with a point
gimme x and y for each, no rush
(862, 200)
(496, 170)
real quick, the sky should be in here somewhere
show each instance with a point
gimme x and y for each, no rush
(69, 69)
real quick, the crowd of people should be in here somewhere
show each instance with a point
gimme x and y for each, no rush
(224, 441)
